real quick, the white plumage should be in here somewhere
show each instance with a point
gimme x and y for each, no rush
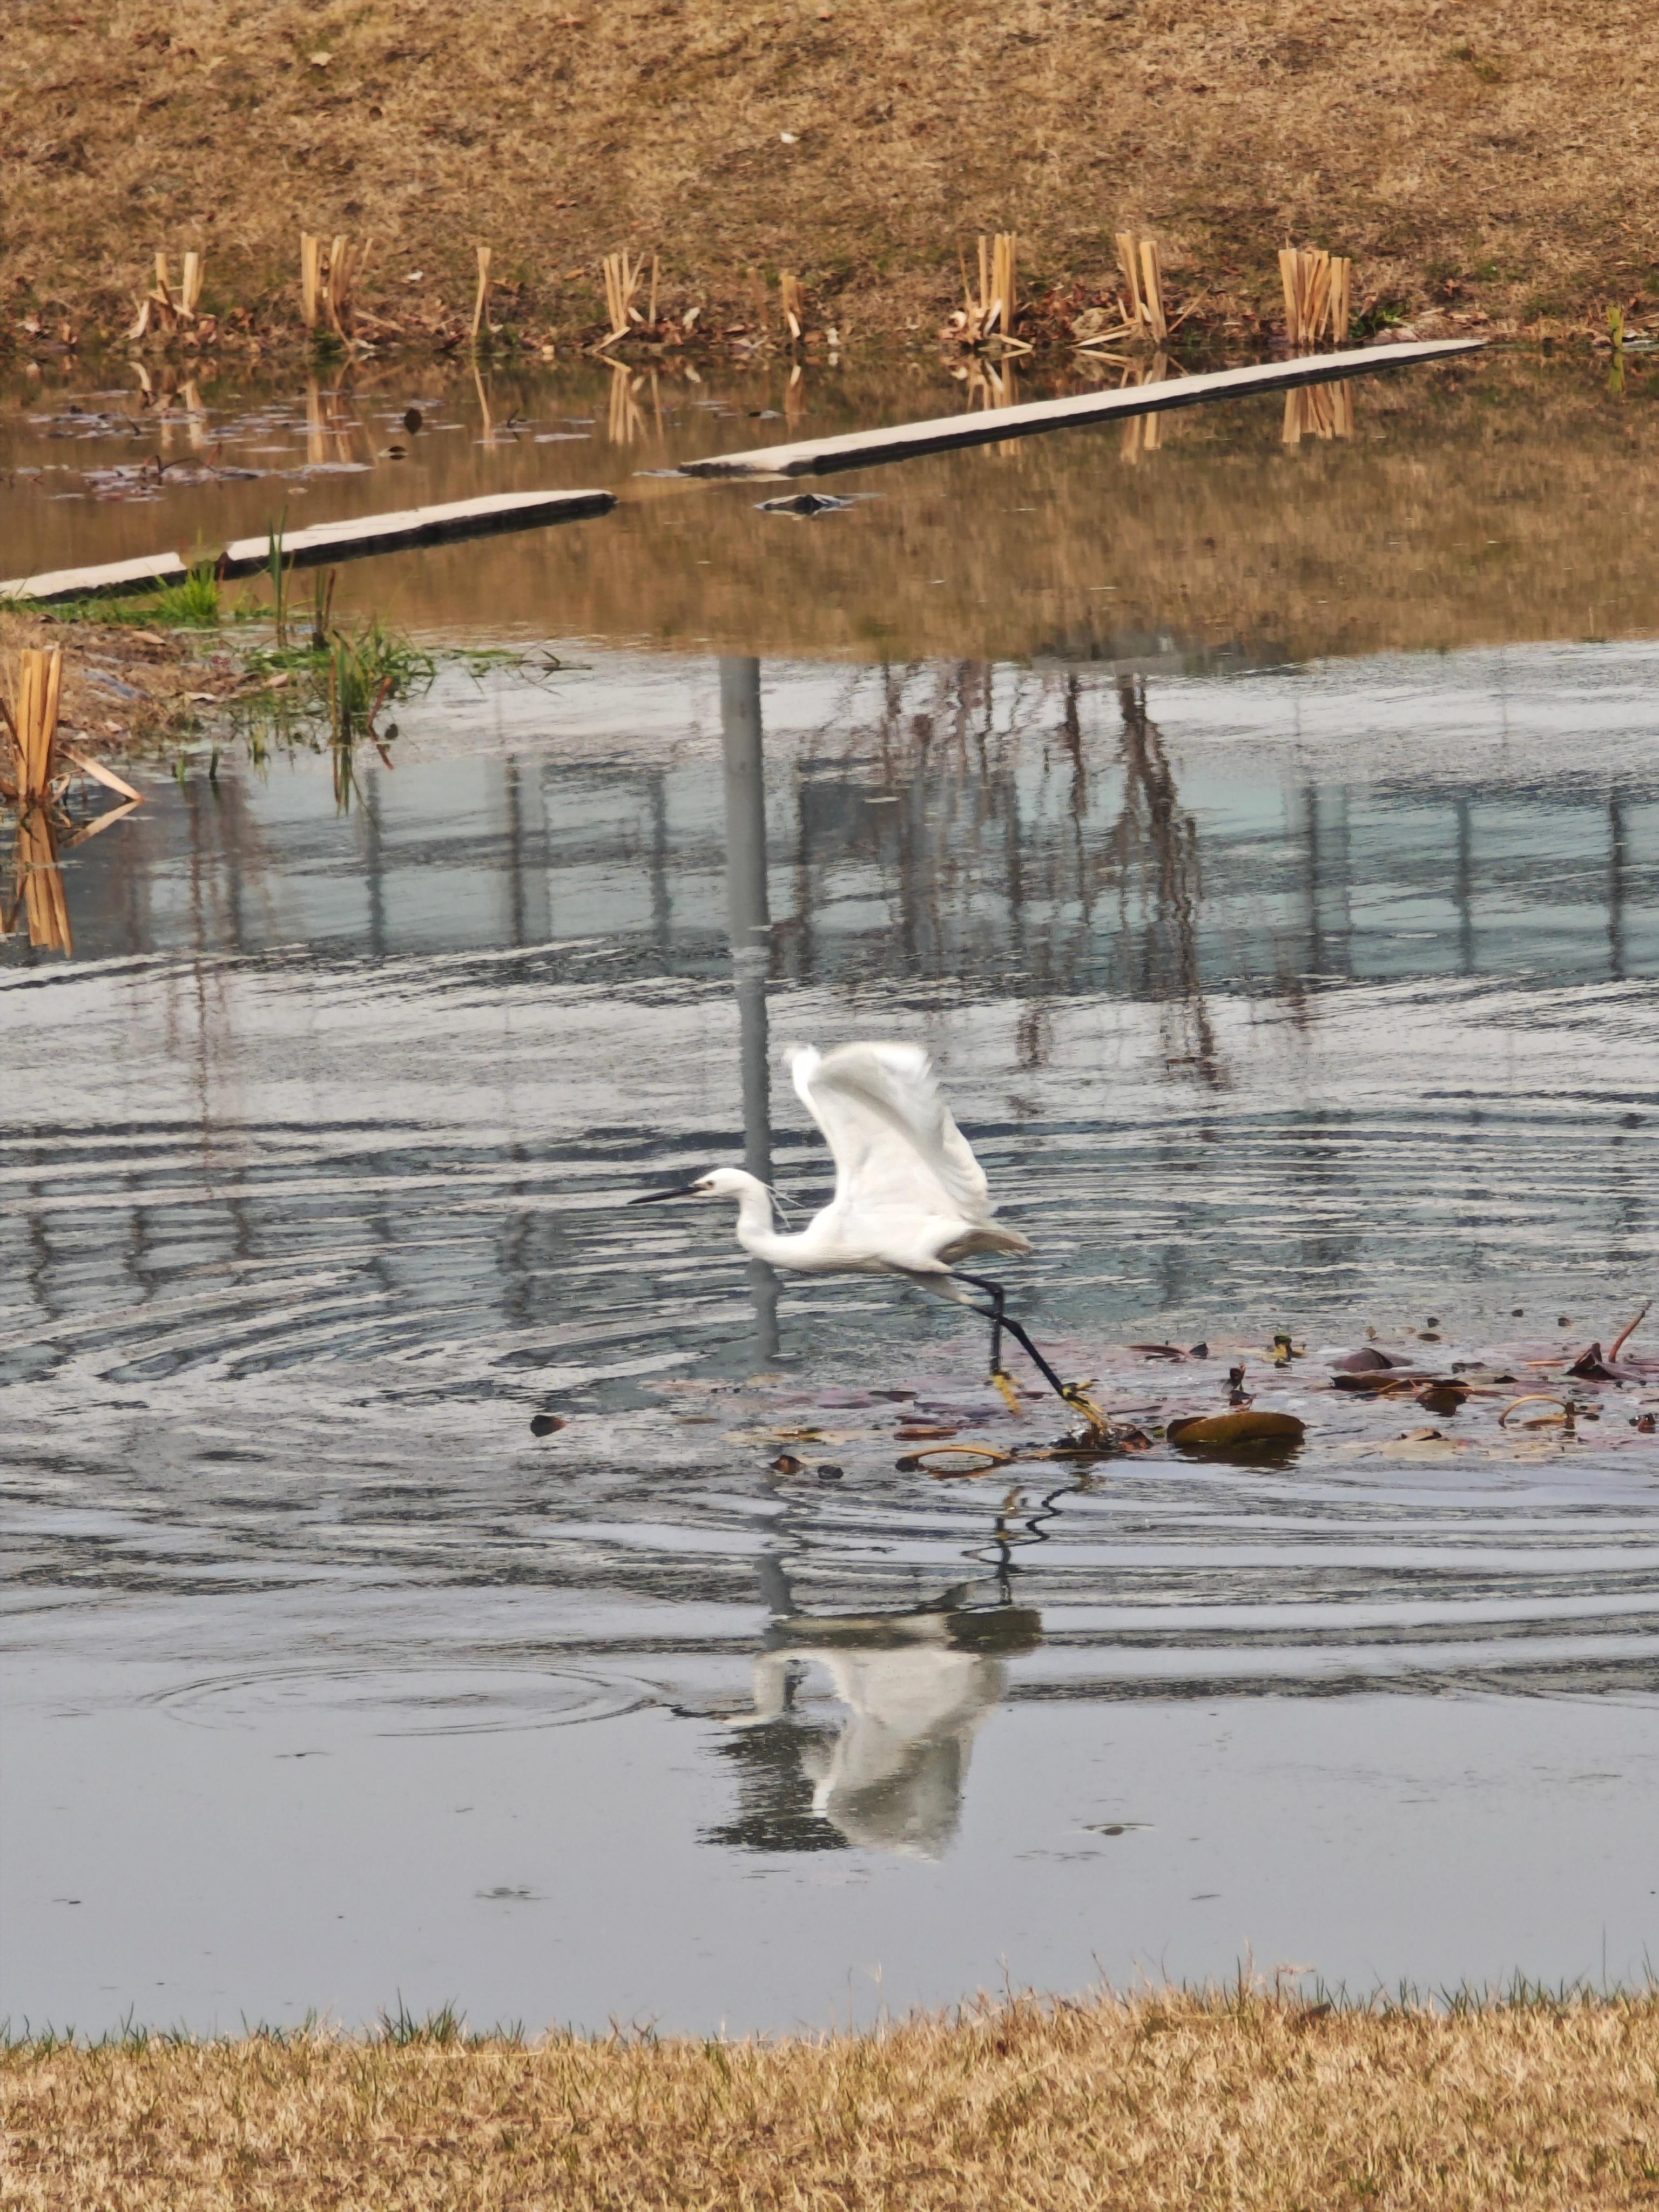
(910, 1198)
(909, 1194)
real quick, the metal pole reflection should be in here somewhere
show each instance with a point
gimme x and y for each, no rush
(749, 925)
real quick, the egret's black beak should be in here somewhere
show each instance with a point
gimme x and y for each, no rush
(656, 1197)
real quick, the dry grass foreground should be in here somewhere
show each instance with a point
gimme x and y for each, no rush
(1168, 2100)
(1500, 155)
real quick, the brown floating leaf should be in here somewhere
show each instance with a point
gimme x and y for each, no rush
(1159, 1351)
(912, 1432)
(1590, 1367)
(1250, 1427)
(787, 1463)
(546, 1424)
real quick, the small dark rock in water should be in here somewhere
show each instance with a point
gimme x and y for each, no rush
(907, 1465)
(803, 502)
(1442, 1397)
(412, 419)
(787, 1463)
(1516, 1312)
(1433, 1321)
(544, 1424)
(1198, 1351)
(830, 1474)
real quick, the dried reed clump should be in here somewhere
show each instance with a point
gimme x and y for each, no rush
(1318, 290)
(327, 281)
(990, 314)
(38, 766)
(1178, 2100)
(1318, 411)
(29, 710)
(163, 309)
(624, 277)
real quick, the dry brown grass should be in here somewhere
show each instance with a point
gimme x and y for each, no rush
(1499, 157)
(1168, 2101)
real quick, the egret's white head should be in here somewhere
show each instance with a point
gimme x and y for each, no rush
(719, 1183)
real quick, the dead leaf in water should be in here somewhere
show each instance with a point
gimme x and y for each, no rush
(1248, 1429)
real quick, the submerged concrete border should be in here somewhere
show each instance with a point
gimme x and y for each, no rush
(862, 449)
(350, 540)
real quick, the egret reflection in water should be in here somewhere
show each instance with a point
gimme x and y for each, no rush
(918, 1684)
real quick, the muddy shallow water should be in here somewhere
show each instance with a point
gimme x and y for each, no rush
(1277, 992)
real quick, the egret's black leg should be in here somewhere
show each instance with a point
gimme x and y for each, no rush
(1000, 1319)
(996, 1316)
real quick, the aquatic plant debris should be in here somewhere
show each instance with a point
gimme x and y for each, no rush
(958, 1427)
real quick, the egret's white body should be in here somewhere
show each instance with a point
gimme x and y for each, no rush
(910, 1198)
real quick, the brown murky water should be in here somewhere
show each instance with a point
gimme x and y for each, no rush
(1287, 973)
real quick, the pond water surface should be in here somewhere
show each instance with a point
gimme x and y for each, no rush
(1284, 918)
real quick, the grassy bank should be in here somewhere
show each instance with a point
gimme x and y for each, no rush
(1497, 161)
(1170, 2099)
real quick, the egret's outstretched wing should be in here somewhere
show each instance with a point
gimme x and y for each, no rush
(889, 1132)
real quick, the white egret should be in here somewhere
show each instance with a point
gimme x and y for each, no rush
(910, 1198)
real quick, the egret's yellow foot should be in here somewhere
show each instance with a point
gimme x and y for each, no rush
(1077, 1394)
(1008, 1387)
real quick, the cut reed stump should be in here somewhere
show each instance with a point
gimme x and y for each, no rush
(346, 265)
(311, 279)
(792, 298)
(1142, 269)
(482, 303)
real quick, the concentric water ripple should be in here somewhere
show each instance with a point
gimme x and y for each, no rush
(299, 1230)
